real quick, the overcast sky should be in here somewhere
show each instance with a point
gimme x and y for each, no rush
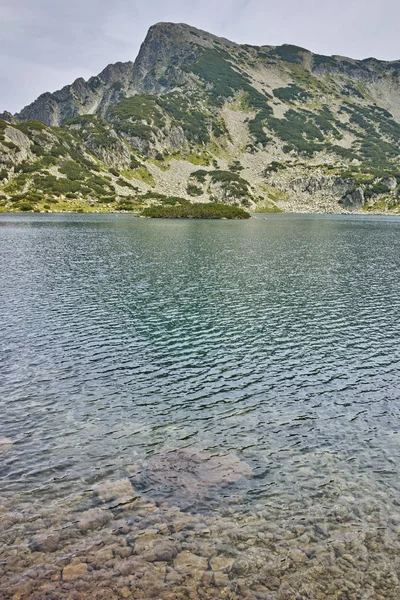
(45, 44)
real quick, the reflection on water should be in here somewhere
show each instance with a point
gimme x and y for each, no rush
(199, 409)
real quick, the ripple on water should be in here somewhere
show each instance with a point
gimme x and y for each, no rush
(130, 348)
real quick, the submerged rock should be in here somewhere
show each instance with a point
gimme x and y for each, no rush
(186, 562)
(121, 489)
(185, 475)
(221, 563)
(5, 444)
(74, 571)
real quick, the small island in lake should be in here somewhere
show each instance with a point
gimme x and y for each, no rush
(195, 210)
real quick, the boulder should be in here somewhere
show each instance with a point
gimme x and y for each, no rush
(192, 472)
(353, 201)
(114, 490)
(390, 183)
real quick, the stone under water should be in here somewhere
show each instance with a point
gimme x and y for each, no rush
(191, 473)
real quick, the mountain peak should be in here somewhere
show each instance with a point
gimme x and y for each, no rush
(276, 126)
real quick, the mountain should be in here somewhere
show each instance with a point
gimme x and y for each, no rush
(201, 118)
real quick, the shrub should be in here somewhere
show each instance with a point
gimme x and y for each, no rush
(73, 171)
(194, 190)
(273, 167)
(23, 206)
(194, 122)
(28, 126)
(291, 93)
(236, 167)
(289, 53)
(196, 211)
(139, 108)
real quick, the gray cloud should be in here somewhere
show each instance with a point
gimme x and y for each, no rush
(45, 44)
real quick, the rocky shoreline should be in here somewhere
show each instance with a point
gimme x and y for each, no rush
(117, 542)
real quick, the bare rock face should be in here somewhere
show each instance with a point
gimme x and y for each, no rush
(114, 155)
(390, 183)
(353, 201)
(191, 474)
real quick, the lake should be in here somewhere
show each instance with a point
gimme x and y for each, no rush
(200, 409)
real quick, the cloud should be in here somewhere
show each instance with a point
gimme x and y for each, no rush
(46, 44)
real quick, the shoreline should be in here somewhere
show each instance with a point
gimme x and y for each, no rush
(252, 214)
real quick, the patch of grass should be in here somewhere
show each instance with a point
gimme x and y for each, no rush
(275, 194)
(143, 174)
(267, 207)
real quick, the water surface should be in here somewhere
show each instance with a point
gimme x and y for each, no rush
(272, 342)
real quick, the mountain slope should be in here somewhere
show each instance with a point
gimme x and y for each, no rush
(202, 118)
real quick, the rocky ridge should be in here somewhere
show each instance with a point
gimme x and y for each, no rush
(204, 119)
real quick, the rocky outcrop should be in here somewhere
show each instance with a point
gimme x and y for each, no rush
(390, 183)
(163, 64)
(82, 97)
(353, 201)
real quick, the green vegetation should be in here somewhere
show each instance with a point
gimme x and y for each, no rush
(214, 67)
(93, 129)
(378, 187)
(256, 127)
(23, 206)
(138, 116)
(194, 122)
(199, 210)
(139, 108)
(73, 171)
(273, 167)
(298, 129)
(265, 206)
(143, 174)
(194, 190)
(291, 93)
(289, 53)
(321, 60)
(200, 175)
(231, 183)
